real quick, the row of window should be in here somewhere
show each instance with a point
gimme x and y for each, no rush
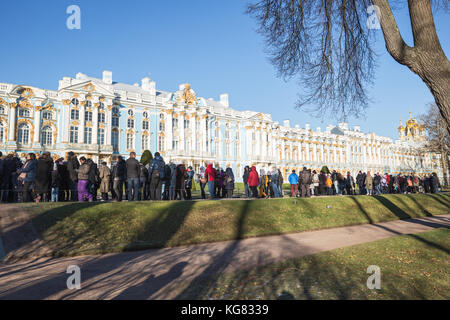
(26, 113)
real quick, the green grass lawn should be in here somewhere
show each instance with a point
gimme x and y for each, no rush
(412, 267)
(91, 228)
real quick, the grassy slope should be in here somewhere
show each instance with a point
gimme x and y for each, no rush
(412, 267)
(83, 228)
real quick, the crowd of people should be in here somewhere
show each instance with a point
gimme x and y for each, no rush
(81, 179)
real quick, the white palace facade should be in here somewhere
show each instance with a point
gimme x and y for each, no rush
(101, 119)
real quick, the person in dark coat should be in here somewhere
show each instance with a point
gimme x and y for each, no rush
(94, 179)
(64, 191)
(72, 166)
(181, 177)
(119, 175)
(166, 182)
(43, 177)
(434, 182)
(56, 182)
(229, 182)
(156, 173)
(6, 184)
(144, 186)
(188, 183)
(247, 190)
(173, 181)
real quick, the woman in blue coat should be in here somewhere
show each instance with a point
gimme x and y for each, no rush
(229, 182)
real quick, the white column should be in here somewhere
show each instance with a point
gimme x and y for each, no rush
(95, 126)
(81, 130)
(12, 122)
(248, 134)
(193, 133)
(181, 131)
(108, 127)
(37, 126)
(203, 124)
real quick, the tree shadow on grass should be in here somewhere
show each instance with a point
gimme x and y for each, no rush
(209, 285)
(23, 237)
(400, 213)
(96, 271)
(362, 209)
(443, 199)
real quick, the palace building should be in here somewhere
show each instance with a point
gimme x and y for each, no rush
(101, 119)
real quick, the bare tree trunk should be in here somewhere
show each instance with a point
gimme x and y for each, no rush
(426, 58)
(444, 164)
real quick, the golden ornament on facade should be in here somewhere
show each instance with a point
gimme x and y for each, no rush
(25, 104)
(187, 96)
(3, 102)
(27, 93)
(89, 87)
(66, 102)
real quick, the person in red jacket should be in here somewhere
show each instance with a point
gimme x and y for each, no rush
(253, 181)
(210, 174)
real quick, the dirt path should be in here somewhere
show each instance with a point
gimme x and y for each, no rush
(163, 273)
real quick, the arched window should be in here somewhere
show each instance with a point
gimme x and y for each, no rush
(101, 106)
(2, 133)
(145, 126)
(115, 121)
(130, 113)
(2, 110)
(75, 102)
(115, 110)
(130, 123)
(47, 115)
(88, 104)
(101, 117)
(145, 115)
(23, 134)
(46, 136)
(24, 113)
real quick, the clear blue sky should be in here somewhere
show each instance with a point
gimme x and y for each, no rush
(210, 44)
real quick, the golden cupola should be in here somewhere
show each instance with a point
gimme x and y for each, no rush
(414, 131)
